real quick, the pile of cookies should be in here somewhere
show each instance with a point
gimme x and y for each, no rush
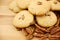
(36, 16)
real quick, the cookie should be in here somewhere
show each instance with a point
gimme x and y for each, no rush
(13, 6)
(49, 19)
(23, 3)
(39, 7)
(55, 5)
(23, 19)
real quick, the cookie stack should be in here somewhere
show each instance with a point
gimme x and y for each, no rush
(31, 12)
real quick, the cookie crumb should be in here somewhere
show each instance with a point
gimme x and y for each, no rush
(47, 15)
(47, 0)
(55, 2)
(39, 3)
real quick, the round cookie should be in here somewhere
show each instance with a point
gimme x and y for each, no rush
(55, 5)
(23, 3)
(23, 19)
(49, 19)
(13, 6)
(39, 7)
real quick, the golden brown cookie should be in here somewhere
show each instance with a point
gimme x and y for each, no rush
(55, 5)
(23, 3)
(39, 7)
(13, 6)
(23, 19)
(49, 19)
